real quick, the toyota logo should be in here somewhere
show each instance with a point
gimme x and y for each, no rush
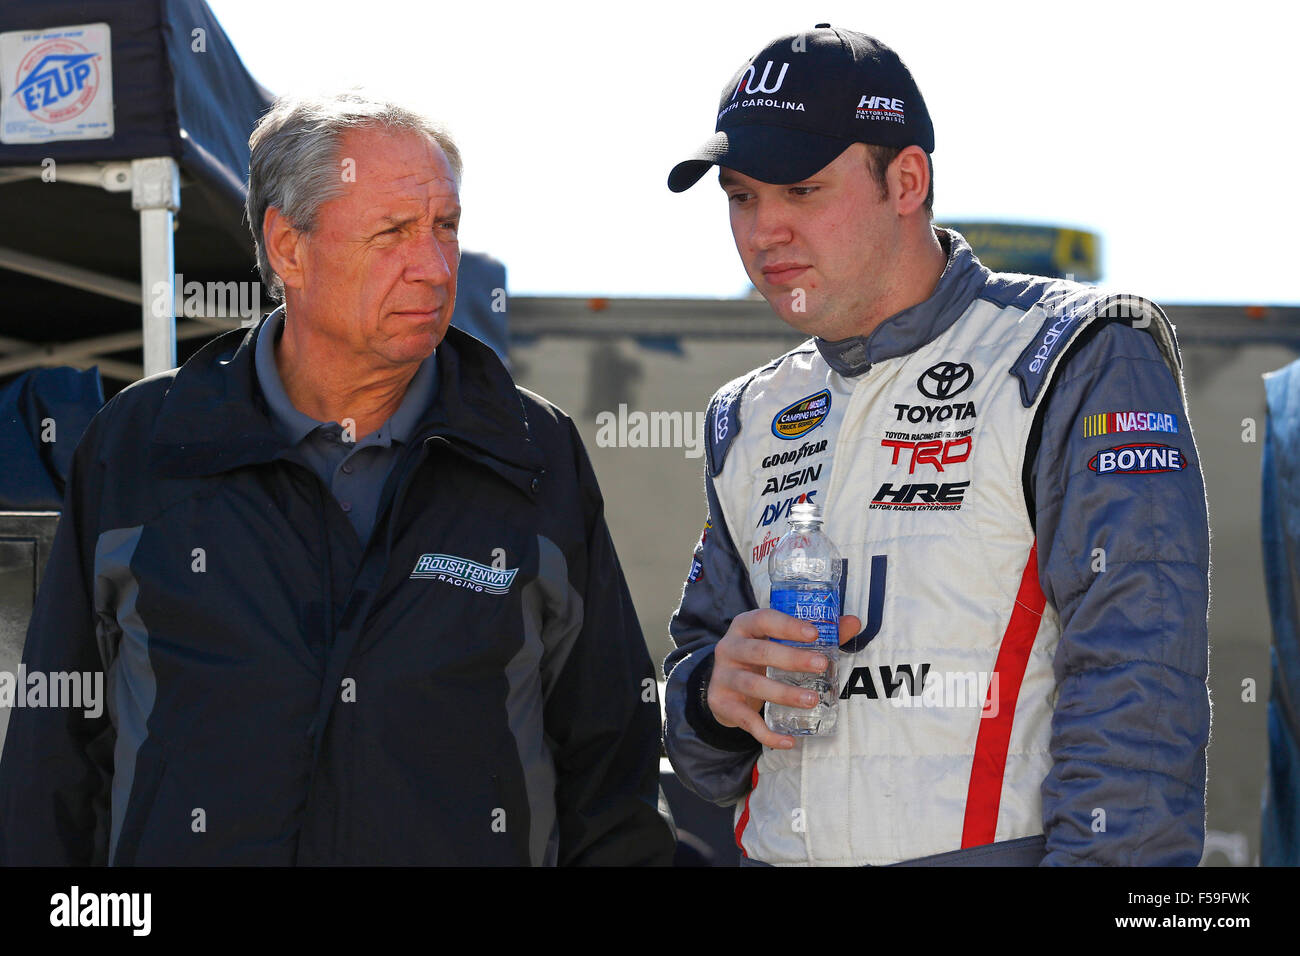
(945, 380)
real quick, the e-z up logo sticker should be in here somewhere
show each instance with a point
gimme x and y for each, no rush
(795, 421)
(1137, 460)
(464, 573)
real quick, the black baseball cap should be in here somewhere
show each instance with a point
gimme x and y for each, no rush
(803, 100)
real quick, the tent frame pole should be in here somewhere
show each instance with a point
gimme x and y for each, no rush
(156, 194)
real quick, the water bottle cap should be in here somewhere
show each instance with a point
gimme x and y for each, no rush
(805, 512)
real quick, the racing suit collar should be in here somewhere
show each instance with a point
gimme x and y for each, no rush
(962, 279)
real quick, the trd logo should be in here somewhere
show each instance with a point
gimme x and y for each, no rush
(935, 452)
(773, 513)
(792, 479)
(948, 495)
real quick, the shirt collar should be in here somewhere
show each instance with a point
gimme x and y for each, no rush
(294, 425)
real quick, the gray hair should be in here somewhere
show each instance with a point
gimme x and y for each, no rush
(294, 162)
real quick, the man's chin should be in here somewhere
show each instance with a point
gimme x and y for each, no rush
(797, 319)
(416, 347)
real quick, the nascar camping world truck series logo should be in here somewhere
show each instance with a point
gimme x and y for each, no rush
(798, 419)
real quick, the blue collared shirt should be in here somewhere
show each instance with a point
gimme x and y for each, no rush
(354, 471)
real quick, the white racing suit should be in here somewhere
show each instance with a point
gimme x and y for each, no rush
(1010, 474)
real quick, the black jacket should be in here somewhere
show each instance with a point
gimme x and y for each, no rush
(280, 694)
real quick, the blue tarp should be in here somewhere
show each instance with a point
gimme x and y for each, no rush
(42, 416)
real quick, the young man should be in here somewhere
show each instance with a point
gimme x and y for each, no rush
(1006, 464)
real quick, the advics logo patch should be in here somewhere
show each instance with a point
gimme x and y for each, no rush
(1137, 460)
(795, 421)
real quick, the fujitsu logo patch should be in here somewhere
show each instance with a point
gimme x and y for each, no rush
(881, 108)
(1138, 460)
(462, 572)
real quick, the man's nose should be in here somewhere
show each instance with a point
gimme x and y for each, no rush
(432, 260)
(770, 225)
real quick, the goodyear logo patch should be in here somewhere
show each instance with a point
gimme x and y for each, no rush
(1111, 423)
(463, 572)
(1137, 460)
(795, 421)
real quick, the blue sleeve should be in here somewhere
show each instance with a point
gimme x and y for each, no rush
(1124, 559)
(714, 761)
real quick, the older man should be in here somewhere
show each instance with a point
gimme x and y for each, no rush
(352, 590)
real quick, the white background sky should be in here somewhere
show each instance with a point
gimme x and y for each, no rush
(1169, 128)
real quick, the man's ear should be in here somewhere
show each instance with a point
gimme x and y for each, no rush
(909, 180)
(284, 247)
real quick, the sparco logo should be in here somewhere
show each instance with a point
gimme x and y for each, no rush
(935, 413)
(747, 80)
(945, 380)
(806, 450)
(1044, 350)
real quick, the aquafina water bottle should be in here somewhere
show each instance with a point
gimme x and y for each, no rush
(805, 570)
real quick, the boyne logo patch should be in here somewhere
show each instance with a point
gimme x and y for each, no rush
(462, 572)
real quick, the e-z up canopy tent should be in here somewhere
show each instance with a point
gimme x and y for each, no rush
(123, 159)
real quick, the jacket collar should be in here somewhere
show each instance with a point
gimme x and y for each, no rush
(962, 279)
(214, 417)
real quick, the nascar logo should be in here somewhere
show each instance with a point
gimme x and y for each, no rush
(462, 571)
(1137, 460)
(798, 419)
(1111, 423)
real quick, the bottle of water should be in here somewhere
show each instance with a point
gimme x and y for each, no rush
(805, 569)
